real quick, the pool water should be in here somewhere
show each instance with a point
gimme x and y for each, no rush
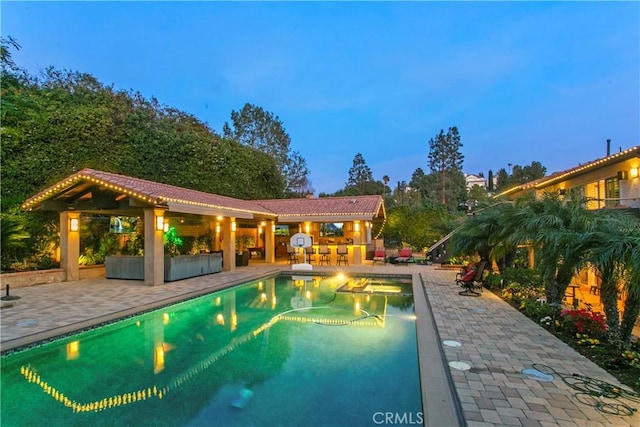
(279, 351)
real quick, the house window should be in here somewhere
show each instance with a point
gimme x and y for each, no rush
(612, 192)
(592, 193)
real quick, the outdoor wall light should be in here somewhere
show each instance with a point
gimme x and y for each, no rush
(307, 228)
(356, 226)
(160, 223)
(166, 227)
(633, 172)
(74, 224)
(233, 226)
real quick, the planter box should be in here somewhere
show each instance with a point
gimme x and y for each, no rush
(242, 259)
(124, 267)
(183, 266)
(175, 268)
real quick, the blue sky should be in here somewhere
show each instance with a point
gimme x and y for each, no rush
(522, 81)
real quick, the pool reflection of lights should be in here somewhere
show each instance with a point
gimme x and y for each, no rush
(141, 392)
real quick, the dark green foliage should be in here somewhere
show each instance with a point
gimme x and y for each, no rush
(519, 175)
(417, 226)
(63, 121)
(262, 131)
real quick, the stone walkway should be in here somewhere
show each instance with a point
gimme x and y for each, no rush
(494, 341)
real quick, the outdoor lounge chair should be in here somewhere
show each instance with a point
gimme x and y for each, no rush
(405, 256)
(379, 256)
(471, 280)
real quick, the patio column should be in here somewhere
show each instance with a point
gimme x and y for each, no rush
(153, 247)
(229, 244)
(357, 242)
(269, 242)
(368, 226)
(70, 245)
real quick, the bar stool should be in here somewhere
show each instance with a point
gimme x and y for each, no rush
(311, 252)
(293, 255)
(324, 252)
(342, 252)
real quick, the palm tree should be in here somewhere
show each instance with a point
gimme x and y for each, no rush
(484, 234)
(556, 230)
(615, 255)
(386, 180)
(13, 233)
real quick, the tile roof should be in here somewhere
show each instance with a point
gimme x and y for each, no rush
(180, 199)
(357, 206)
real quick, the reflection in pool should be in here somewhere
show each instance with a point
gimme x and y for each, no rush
(279, 351)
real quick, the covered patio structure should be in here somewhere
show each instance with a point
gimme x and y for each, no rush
(159, 206)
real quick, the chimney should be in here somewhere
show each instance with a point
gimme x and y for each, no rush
(608, 147)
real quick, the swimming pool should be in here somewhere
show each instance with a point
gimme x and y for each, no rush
(285, 350)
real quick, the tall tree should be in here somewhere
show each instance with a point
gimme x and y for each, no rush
(254, 127)
(490, 181)
(502, 180)
(445, 156)
(385, 180)
(360, 174)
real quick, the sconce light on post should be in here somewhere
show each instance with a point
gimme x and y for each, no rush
(160, 223)
(233, 226)
(633, 172)
(74, 224)
(356, 226)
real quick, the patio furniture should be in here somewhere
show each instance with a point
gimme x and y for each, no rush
(311, 252)
(405, 256)
(342, 251)
(324, 252)
(471, 280)
(292, 254)
(379, 256)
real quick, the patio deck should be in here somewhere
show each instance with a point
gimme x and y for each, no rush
(496, 341)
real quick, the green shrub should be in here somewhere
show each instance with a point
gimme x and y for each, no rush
(517, 293)
(537, 310)
(524, 276)
(493, 281)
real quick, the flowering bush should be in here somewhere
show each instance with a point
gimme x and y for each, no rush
(583, 322)
(520, 296)
(586, 340)
(546, 321)
(631, 357)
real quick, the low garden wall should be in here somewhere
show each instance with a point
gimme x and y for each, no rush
(41, 277)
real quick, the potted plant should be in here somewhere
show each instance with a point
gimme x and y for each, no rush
(243, 243)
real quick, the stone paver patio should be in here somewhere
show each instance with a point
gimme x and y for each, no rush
(495, 341)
